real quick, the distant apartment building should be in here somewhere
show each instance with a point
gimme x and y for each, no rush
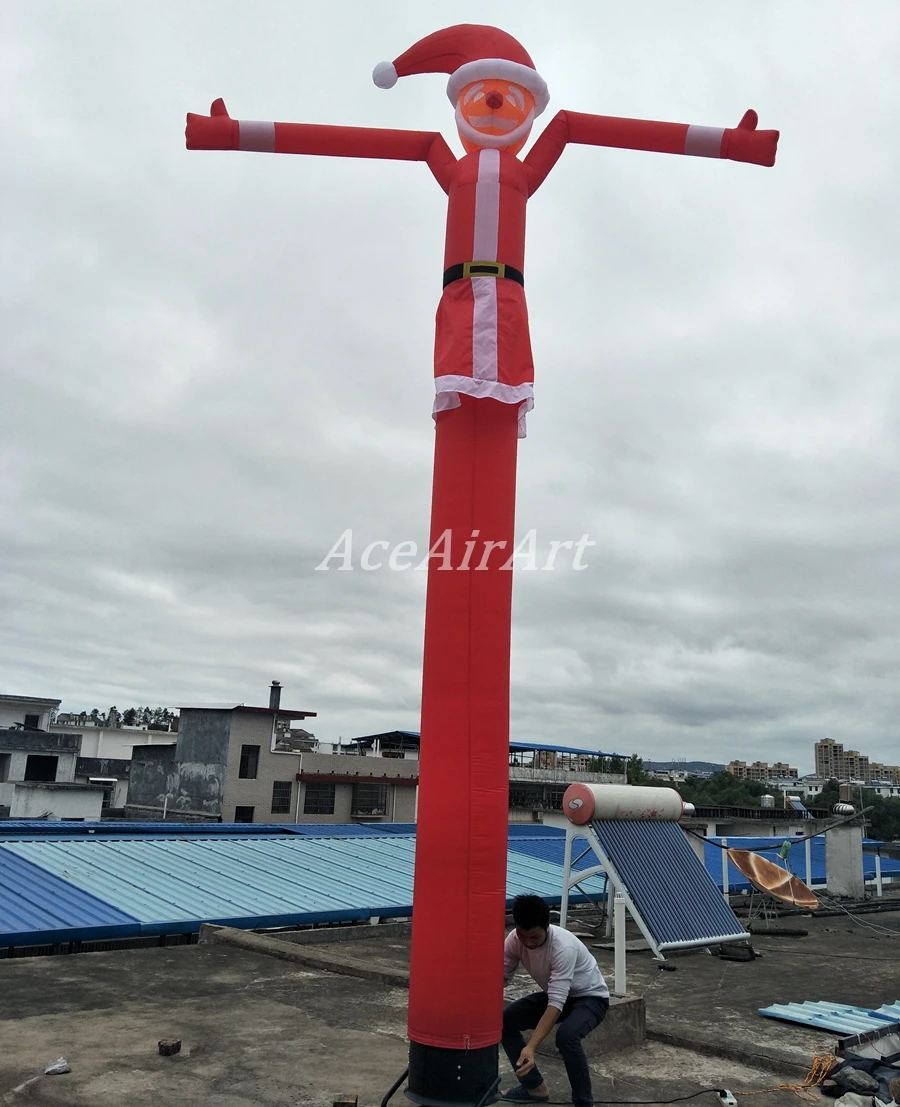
(829, 759)
(856, 765)
(886, 774)
(833, 762)
(761, 771)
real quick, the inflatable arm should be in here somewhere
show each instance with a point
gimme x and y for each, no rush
(218, 131)
(741, 143)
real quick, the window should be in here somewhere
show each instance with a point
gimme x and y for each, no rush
(281, 797)
(243, 814)
(32, 722)
(369, 799)
(4, 767)
(40, 767)
(318, 798)
(249, 763)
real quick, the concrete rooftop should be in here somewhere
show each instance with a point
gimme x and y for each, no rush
(258, 1031)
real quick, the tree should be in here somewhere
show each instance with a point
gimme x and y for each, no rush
(634, 770)
(830, 795)
(130, 717)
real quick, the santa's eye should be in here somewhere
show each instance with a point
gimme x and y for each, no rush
(472, 92)
(517, 97)
(478, 96)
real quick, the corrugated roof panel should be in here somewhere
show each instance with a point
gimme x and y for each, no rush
(554, 851)
(840, 1017)
(39, 908)
(175, 884)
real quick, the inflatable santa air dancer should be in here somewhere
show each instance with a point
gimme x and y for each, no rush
(483, 382)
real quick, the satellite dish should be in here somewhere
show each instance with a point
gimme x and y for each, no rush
(775, 881)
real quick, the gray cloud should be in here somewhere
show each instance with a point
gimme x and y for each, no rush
(213, 364)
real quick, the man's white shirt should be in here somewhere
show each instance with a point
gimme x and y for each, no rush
(562, 967)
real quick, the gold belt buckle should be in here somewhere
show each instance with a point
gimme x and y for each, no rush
(499, 269)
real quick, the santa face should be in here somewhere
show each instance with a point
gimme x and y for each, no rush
(496, 114)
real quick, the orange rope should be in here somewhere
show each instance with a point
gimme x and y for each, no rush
(822, 1063)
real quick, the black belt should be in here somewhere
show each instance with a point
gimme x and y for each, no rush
(482, 269)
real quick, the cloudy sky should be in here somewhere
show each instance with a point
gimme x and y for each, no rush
(213, 364)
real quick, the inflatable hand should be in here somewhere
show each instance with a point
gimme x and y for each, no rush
(216, 131)
(745, 143)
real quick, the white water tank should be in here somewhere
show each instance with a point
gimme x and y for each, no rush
(584, 802)
(767, 801)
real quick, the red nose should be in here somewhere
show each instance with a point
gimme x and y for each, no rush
(494, 100)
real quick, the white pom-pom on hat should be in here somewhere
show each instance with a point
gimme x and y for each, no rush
(384, 75)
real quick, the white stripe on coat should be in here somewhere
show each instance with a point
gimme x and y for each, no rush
(487, 207)
(484, 329)
(484, 248)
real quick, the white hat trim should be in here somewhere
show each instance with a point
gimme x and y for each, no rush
(500, 69)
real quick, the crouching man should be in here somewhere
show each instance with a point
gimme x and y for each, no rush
(573, 994)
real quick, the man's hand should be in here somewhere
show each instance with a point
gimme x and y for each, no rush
(745, 143)
(216, 131)
(526, 1061)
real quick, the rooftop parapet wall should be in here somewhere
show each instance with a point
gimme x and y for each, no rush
(564, 776)
(39, 742)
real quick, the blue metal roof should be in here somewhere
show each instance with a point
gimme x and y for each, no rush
(553, 850)
(38, 907)
(73, 881)
(166, 884)
(12, 830)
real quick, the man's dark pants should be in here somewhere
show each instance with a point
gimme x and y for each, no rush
(579, 1017)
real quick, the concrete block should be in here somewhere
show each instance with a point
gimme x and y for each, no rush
(169, 1046)
(326, 935)
(625, 1026)
(325, 961)
(844, 862)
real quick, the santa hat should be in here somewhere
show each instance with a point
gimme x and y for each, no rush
(468, 52)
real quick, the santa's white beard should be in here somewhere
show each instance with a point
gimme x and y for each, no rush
(494, 142)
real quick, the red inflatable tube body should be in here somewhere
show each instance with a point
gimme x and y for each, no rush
(456, 971)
